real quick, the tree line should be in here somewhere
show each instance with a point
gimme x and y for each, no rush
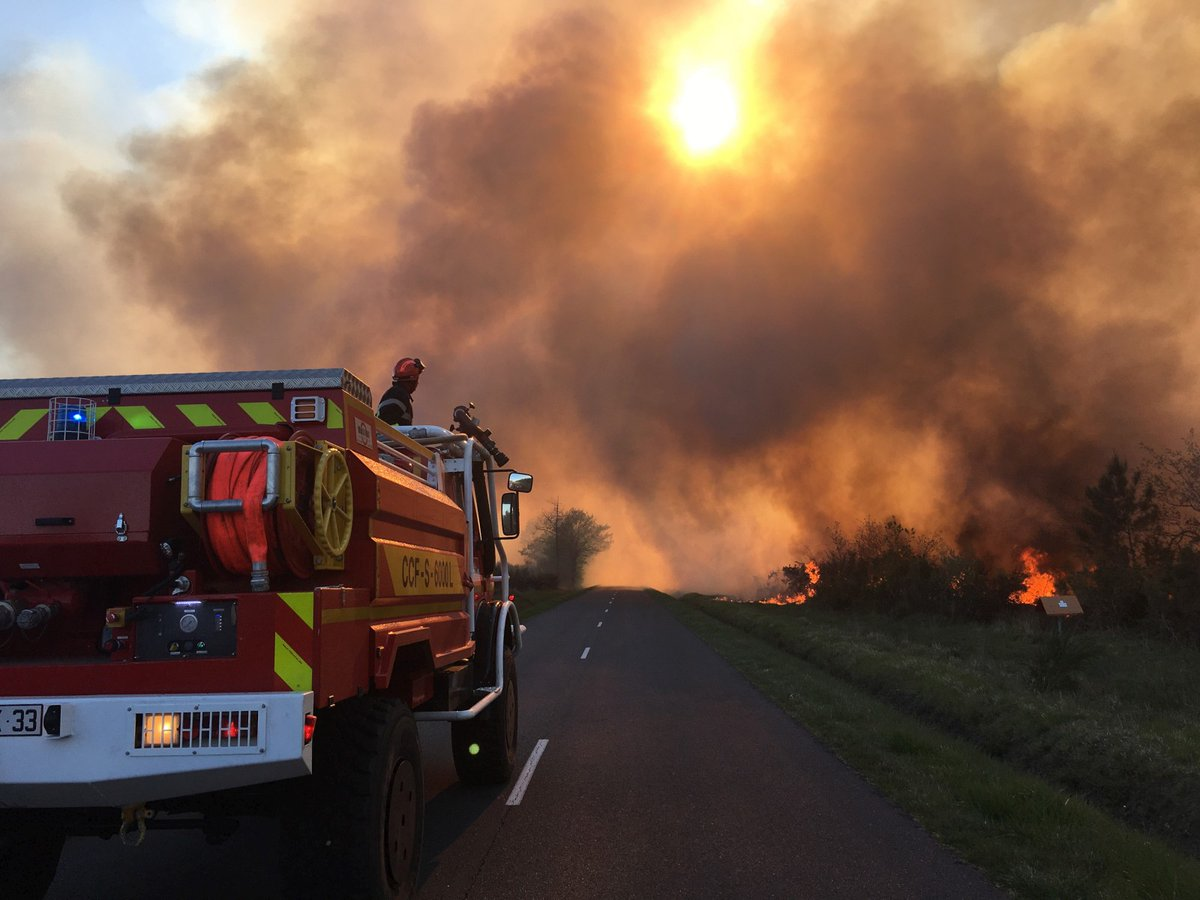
(1137, 557)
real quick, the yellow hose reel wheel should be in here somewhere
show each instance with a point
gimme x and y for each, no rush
(333, 502)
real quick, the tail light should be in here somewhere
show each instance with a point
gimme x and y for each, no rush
(310, 726)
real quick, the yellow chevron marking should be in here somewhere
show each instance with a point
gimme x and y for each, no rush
(139, 417)
(294, 671)
(333, 415)
(200, 414)
(301, 603)
(262, 413)
(16, 427)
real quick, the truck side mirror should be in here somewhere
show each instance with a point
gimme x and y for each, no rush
(510, 514)
(520, 482)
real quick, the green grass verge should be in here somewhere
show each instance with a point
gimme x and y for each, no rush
(534, 602)
(1034, 840)
(1127, 737)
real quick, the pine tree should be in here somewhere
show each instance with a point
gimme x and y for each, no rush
(1121, 516)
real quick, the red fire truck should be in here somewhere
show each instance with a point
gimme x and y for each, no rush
(228, 592)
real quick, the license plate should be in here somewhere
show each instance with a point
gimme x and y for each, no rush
(21, 721)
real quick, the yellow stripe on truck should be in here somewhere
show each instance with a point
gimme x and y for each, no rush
(389, 611)
(139, 418)
(16, 427)
(200, 414)
(262, 413)
(295, 672)
(301, 603)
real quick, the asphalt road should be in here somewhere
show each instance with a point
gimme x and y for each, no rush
(663, 774)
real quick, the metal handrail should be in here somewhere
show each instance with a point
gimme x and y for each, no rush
(196, 501)
(489, 693)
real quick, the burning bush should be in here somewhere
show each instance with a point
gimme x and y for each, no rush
(888, 568)
(1139, 557)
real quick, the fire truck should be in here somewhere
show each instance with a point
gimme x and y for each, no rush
(233, 592)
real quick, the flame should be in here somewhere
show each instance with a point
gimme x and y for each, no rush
(811, 569)
(786, 600)
(814, 571)
(1038, 584)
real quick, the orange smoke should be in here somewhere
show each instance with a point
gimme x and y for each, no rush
(1038, 584)
(515, 183)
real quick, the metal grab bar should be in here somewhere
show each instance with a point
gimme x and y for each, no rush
(489, 693)
(196, 499)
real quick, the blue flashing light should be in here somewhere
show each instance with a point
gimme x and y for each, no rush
(78, 417)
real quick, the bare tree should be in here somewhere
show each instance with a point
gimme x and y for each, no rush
(1175, 473)
(564, 542)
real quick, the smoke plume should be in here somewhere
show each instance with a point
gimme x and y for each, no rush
(948, 270)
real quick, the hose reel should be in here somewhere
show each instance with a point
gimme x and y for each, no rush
(332, 502)
(270, 505)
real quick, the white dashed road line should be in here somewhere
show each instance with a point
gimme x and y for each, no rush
(598, 624)
(518, 791)
(586, 650)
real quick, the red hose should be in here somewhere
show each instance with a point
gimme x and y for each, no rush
(240, 539)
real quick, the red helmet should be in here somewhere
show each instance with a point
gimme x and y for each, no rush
(408, 369)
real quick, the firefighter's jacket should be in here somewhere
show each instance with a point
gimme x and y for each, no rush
(396, 407)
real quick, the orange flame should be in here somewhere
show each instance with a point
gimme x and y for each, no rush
(1038, 584)
(813, 571)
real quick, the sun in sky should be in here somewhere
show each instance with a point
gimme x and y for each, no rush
(706, 94)
(705, 109)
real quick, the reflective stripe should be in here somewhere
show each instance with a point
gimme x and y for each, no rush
(262, 413)
(139, 417)
(392, 401)
(200, 414)
(391, 611)
(295, 672)
(16, 427)
(301, 603)
(333, 415)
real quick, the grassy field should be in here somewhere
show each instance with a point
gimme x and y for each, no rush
(944, 719)
(532, 602)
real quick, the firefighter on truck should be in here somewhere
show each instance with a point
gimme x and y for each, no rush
(234, 591)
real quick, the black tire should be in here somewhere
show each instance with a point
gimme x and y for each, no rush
(485, 748)
(29, 860)
(354, 828)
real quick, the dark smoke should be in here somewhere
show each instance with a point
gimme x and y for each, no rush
(945, 277)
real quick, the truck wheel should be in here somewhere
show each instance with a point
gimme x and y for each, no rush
(28, 861)
(485, 748)
(355, 828)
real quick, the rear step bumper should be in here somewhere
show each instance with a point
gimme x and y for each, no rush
(122, 750)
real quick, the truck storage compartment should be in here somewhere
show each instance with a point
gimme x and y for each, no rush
(86, 508)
